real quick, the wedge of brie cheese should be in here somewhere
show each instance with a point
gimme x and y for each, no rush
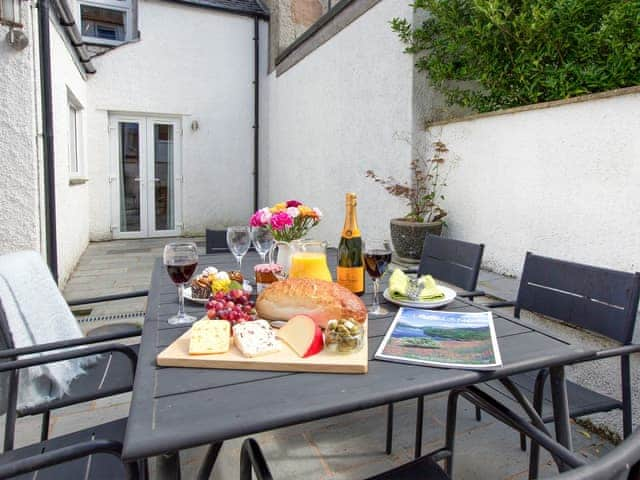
(209, 336)
(255, 338)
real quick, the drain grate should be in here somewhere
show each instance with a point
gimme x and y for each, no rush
(112, 317)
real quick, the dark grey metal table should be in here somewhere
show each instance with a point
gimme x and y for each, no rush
(178, 408)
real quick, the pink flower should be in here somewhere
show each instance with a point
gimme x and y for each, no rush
(318, 212)
(281, 220)
(261, 218)
(293, 203)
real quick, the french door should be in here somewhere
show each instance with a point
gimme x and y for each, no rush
(146, 177)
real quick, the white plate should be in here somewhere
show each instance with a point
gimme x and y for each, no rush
(449, 296)
(187, 294)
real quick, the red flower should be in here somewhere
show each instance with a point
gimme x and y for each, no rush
(293, 203)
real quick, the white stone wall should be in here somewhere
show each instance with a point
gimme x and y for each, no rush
(342, 110)
(561, 181)
(72, 201)
(195, 63)
(19, 208)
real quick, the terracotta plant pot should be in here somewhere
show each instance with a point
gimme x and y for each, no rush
(408, 236)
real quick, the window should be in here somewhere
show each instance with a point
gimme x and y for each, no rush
(106, 22)
(76, 150)
(10, 12)
(103, 23)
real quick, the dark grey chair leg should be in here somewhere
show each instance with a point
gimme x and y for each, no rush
(538, 396)
(209, 461)
(478, 414)
(625, 372)
(389, 445)
(450, 435)
(523, 442)
(419, 424)
(44, 431)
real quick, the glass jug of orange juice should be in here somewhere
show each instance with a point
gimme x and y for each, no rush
(309, 260)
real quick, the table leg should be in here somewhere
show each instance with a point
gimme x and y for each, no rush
(209, 461)
(168, 466)
(560, 410)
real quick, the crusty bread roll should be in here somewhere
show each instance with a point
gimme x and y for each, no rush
(318, 299)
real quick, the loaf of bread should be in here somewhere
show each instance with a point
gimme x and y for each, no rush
(318, 299)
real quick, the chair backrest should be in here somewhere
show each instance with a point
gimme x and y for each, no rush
(597, 299)
(216, 241)
(452, 261)
(621, 463)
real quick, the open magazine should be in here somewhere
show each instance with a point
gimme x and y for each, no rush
(442, 339)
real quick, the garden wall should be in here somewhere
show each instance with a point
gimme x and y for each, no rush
(559, 179)
(343, 109)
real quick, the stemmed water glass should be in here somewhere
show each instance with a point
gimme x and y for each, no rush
(181, 260)
(262, 241)
(377, 256)
(238, 241)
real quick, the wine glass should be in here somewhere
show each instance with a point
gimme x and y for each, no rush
(181, 260)
(377, 256)
(238, 241)
(262, 241)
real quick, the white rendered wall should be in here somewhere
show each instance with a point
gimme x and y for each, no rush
(19, 178)
(342, 110)
(561, 181)
(197, 64)
(72, 201)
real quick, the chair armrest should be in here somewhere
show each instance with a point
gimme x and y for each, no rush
(66, 454)
(108, 298)
(45, 347)
(509, 303)
(610, 352)
(475, 293)
(70, 354)
(251, 458)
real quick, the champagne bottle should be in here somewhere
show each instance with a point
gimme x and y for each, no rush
(350, 271)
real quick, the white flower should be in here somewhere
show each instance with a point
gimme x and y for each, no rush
(318, 212)
(293, 212)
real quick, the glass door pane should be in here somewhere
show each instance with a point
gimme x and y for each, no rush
(129, 164)
(163, 166)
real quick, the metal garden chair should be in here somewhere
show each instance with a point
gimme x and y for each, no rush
(216, 241)
(455, 262)
(594, 299)
(90, 453)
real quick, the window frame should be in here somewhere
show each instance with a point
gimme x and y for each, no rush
(125, 6)
(15, 21)
(75, 140)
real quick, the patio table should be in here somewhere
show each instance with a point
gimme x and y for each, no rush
(179, 408)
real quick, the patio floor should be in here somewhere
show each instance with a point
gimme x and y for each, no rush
(345, 447)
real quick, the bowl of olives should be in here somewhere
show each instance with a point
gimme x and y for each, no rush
(345, 335)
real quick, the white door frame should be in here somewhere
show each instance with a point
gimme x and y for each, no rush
(146, 174)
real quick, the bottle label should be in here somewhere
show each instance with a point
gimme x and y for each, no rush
(351, 278)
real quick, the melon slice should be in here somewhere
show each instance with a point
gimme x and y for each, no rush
(303, 336)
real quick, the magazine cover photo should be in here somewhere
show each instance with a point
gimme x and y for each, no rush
(456, 339)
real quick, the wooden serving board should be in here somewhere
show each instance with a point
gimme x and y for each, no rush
(286, 360)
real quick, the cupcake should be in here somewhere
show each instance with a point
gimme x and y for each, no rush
(201, 285)
(266, 274)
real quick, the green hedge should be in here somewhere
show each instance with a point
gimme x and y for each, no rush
(520, 52)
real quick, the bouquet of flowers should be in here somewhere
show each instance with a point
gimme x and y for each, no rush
(287, 220)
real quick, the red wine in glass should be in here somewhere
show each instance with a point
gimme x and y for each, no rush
(181, 273)
(376, 262)
(181, 260)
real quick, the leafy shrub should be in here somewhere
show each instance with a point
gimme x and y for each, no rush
(519, 52)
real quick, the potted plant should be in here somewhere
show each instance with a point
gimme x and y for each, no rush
(422, 194)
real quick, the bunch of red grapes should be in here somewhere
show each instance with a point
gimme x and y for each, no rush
(233, 306)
